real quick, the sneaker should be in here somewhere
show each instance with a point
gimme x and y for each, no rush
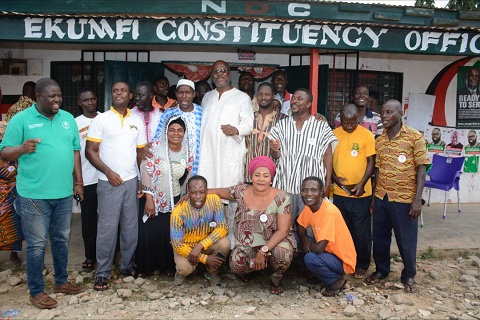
(68, 288)
(43, 301)
(179, 279)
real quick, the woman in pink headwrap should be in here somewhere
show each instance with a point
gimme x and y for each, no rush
(262, 225)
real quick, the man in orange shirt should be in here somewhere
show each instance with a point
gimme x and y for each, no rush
(332, 255)
(401, 163)
(160, 99)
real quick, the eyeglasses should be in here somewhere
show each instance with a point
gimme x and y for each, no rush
(217, 71)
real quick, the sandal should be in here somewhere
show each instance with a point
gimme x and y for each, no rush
(88, 264)
(243, 278)
(374, 278)
(360, 273)
(332, 292)
(100, 284)
(130, 273)
(15, 260)
(409, 286)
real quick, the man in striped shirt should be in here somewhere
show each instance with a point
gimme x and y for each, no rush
(302, 146)
(258, 142)
(198, 230)
(366, 117)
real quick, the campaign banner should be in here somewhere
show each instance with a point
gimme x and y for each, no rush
(468, 97)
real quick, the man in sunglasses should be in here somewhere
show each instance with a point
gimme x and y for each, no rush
(227, 119)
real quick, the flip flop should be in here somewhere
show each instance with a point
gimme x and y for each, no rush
(374, 278)
(360, 273)
(409, 286)
(332, 292)
(276, 289)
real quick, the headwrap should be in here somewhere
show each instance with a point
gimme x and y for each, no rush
(180, 122)
(261, 161)
(157, 172)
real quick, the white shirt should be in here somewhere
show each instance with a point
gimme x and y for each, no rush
(89, 172)
(119, 138)
(222, 157)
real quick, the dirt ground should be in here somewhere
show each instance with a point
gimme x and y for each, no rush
(449, 288)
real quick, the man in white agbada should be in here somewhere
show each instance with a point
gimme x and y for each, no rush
(227, 119)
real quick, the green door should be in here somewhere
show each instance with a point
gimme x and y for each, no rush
(130, 72)
(299, 77)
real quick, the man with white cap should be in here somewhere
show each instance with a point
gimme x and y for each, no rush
(190, 113)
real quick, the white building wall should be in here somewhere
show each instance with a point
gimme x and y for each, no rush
(418, 70)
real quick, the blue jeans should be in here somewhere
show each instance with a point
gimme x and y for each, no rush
(325, 266)
(40, 219)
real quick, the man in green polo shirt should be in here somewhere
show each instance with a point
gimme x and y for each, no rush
(46, 143)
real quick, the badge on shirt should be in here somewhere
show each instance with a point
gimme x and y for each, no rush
(355, 148)
(312, 141)
(183, 162)
(402, 158)
(133, 129)
(11, 169)
(263, 218)
(213, 224)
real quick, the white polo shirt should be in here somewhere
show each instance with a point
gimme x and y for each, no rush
(89, 172)
(119, 138)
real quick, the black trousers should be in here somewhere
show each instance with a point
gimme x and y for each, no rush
(356, 213)
(89, 220)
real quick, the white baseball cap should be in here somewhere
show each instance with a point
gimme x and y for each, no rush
(186, 82)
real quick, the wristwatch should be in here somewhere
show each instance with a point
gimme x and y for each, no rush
(264, 250)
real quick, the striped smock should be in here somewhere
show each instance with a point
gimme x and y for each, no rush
(302, 152)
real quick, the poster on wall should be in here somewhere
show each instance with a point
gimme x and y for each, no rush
(473, 145)
(435, 137)
(471, 164)
(468, 98)
(455, 141)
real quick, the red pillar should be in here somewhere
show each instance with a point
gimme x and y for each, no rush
(314, 60)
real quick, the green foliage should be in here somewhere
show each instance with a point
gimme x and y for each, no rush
(464, 5)
(429, 254)
(425, 3)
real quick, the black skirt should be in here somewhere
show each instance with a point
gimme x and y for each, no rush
(154, 249)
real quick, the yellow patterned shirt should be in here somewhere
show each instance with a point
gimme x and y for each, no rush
(23, 103)
(397, 161)
(190, 226)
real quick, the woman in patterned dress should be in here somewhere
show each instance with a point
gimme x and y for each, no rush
(162, 178)
(262, 225)
(11, 234)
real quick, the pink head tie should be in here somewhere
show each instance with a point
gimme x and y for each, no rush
(261, 161)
